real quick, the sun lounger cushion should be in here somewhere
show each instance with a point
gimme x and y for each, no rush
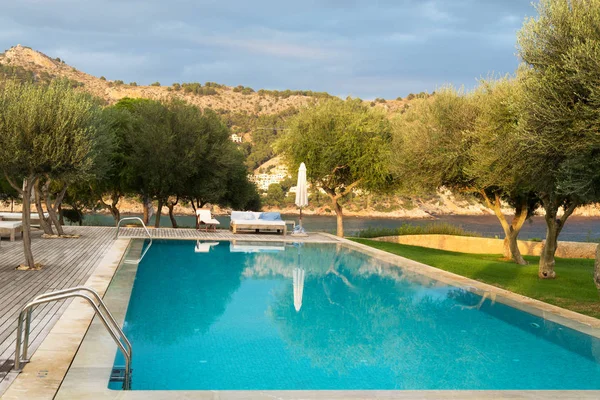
(10, 224)
(243, 216)
(270, 216)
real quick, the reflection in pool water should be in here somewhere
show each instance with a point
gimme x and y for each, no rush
(322, 316)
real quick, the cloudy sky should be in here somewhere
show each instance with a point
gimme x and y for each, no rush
(364, 48)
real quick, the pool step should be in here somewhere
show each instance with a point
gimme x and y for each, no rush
(118, 374)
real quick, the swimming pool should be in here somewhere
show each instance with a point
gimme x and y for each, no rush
(264, 316)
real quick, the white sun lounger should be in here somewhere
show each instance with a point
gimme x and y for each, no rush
(249, 220)
(204, 217)
(34, 217)
(11, 228)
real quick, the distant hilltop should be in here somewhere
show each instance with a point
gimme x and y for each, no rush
(25, 61)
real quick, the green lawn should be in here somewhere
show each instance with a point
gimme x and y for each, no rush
(573, 288)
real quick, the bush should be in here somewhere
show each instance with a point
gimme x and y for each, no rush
(155, 84)
(119, 82)
(133, 84)
(441, 228)
(102, 78)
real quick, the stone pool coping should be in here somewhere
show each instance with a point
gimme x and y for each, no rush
(85, 365)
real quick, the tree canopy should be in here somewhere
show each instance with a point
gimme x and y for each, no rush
(345, 146)
(560, 145)
(47, 131)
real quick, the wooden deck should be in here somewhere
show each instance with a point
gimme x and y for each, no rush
(68, 263)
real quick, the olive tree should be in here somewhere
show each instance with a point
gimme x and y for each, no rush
(345, 146)
(561, 101)
(460, 141)
(44, 131)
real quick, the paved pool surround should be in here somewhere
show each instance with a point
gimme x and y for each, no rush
(87, 363)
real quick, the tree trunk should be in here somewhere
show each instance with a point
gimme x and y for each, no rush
(512, 230)
(546, 267)
(44, 223)
(50, 207)
(61, 218)
(116, 214)
(158, 213)
(171, 205)
(28, 184)
(195, 215)
(597, 268)
(114, 211)
(553, 227)
(172, 216)
(340, 218)
(146, 216)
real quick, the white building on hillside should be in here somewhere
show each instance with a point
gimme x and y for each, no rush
(264, 180)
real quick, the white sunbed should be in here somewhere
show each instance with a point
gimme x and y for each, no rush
(11, 228)
(250, 220)
(34, 217)
(204, 217)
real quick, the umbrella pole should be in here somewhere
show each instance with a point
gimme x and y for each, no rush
(300, 218)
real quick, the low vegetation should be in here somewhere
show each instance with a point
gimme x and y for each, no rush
(440, 228)
(574, 289)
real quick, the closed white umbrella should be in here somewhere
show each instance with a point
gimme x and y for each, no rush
(298, 275)
(301, 193)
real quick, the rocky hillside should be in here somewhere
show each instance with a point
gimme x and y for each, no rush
(217, 97)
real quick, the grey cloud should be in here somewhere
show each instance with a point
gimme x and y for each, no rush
(366, 48)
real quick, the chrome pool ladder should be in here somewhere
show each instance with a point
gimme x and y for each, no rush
(100, 309)
(147, 233)
(133, 219)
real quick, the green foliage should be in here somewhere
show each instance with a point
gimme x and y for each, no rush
(133, 84)
(275, 196)
(102, 78)
(18, 73)
(287, 93)
(197, 89)
(342, 143)
(243, 89)
(560, 145)
(265, 130)
(175, 149)
(7, 192)
(155, 84)
(441, 228)
(48, 130)
(214, 85)
(561, 100)
(118, 82)
(379, 100)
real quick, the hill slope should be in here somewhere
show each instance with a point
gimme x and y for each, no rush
(224, 98)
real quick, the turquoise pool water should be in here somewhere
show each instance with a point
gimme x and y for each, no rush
(251, 316)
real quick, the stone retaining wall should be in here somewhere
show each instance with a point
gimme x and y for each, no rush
(478, 245)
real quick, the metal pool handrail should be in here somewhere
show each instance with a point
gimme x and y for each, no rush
(100, 309)
(136, 219)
